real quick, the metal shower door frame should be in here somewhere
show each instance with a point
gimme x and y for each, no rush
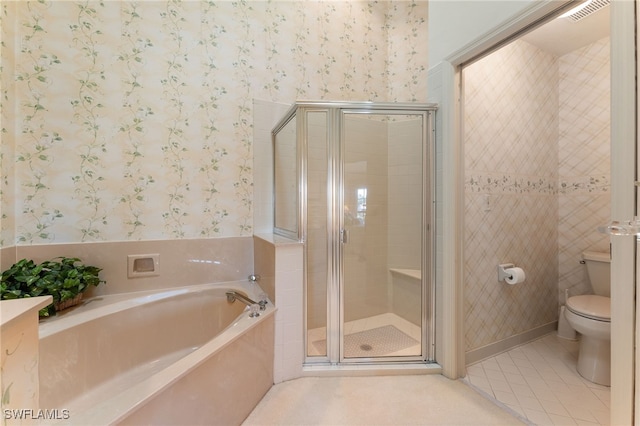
(335, 222)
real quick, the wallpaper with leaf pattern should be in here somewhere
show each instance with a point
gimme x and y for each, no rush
(133, 120)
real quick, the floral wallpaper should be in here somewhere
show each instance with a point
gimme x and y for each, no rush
(133, 120)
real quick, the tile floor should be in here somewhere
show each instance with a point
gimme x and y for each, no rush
(539, 382)
(377, 400)
(316, 337)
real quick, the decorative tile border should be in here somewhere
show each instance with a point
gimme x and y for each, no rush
(586, 184)
(510, 184)
(513, 184)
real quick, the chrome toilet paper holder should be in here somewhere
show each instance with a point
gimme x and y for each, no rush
(502, 273)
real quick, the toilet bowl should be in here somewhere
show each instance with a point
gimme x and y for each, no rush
(590, 315)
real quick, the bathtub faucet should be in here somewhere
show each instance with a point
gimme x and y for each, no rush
(255, 307)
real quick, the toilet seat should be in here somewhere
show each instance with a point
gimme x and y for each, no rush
(590, 306)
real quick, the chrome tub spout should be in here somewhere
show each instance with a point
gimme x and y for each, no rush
(255, 307)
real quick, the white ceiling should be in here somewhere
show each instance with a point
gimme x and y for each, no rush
(562, 35)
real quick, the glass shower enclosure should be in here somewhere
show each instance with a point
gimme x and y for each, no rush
(354, 182)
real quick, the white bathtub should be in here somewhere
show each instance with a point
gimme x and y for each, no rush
(182, 356)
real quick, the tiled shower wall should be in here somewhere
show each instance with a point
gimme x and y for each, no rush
(385, 157)
(511, 207)
(536, 185)
(365, 256)
(405, 193)
(405, 206)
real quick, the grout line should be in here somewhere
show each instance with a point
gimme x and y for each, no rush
(544, 365)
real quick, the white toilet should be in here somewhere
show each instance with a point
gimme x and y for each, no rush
(590, 315)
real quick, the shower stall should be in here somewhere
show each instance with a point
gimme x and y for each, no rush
(354, 182)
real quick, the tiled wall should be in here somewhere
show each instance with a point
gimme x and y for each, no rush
(584, 161)
(133, 120)
(405, 212)
(181, 262)
(405, 153)
(365, 256)
(536, 185)
(288, 296)
(511, 209)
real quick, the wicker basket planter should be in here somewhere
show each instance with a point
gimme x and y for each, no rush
(68, 303)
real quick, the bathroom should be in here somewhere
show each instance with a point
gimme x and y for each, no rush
(537, 188)
(541, 151)
(134, 128)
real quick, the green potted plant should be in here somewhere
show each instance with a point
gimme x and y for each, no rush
(64, 278)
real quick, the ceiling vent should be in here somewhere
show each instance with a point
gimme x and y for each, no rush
(592, 6)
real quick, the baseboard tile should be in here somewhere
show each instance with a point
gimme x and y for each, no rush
(496, 348)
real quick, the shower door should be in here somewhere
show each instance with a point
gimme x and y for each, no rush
(383, 235)
(365, 208)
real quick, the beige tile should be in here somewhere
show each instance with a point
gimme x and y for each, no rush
(482, 384)
(499, 385)
(476, 370)
(530, 403)
(555, 407)
(545, 394)
(517, 409)
(491, 364)
(585, 423)
(522, 390)
(495, 375)
(551, 377)
(580, 412)
(529, 372)
(522, 363)
(603, 416)
(510, 368)
(504, 359)
(537, 417)
(604, 395)
(551, 385)
(507, 398)
(561, 420)
(515, 379)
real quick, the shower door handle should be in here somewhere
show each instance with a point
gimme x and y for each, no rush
(344, 236)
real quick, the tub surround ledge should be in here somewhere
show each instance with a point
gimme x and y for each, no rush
(19, 380)
(14, 311)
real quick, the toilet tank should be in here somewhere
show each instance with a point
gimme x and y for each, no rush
(599, 270)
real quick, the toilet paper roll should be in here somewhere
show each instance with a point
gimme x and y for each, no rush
(515, 275)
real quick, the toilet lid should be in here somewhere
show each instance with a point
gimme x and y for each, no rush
(591, 306)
